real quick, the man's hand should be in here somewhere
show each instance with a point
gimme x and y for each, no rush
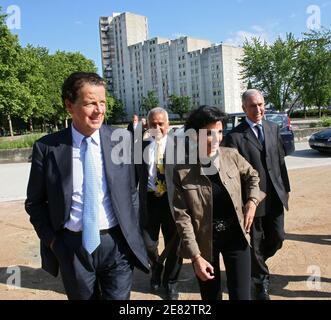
(52, 243)
(249, 213)
(203, 269)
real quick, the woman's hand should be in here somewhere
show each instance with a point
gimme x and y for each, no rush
(250, 209)
(203, 269)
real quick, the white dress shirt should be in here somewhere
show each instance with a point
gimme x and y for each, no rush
(253, 126)
(106, 217)
(152, 173)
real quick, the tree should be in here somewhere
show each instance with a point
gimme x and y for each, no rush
(315, 66)
(58, 67)
(273, 69)
(180, 105)
(12, 93)
(31, 80)
(149, 102)
(115, 111)
(31, 75)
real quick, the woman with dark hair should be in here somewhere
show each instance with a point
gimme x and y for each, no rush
(209, 211)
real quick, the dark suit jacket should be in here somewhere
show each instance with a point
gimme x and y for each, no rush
(130, 128)
(268, 161)
(50, 190)
(142, 170)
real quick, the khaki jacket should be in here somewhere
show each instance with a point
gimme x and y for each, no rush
(193, 200)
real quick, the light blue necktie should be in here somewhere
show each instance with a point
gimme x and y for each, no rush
(91, 233)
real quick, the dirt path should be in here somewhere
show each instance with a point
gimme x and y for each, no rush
(306, 250)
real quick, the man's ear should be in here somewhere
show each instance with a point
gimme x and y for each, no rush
(244, 108)
(68, 105)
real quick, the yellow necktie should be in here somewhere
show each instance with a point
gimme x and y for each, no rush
(159, 158)
(160, 183)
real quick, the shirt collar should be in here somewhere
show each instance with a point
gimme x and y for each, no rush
(251, 123)
(163, 140)
(77, 137)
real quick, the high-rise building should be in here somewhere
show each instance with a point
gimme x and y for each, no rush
(133, 65)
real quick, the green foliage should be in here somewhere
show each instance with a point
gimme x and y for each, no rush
(115, 111)
(272, 69)
(326, 122)
(22, 142)
(149, 102)
(179, 105)
(315, 67)
(291, 70)
(31, 80)
(310, 113)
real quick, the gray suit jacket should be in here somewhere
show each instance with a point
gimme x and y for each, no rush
(50, 190)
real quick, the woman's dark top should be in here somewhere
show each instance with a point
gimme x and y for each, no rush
(222, 204)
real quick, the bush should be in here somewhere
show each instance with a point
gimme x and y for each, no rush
(326, 122)
(311, 113)
(19, 143)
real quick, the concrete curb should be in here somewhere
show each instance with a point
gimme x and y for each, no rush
(15, 155)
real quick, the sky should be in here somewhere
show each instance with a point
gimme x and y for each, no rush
(73, 25)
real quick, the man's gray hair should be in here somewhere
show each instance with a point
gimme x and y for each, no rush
(155, 111)
(249, 93)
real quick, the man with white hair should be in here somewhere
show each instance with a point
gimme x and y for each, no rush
(260, 143)
(156, 193)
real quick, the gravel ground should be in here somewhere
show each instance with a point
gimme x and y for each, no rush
(306, 251)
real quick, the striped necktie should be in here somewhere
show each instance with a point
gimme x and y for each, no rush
(91, 233)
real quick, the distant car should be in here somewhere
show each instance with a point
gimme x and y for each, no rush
(321, 141)
(280, 118)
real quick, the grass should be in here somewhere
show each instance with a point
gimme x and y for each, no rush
(19, 142)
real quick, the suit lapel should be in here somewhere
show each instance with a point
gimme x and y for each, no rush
(63, 158)
(107, 147)
(250, 136)
(267, 135)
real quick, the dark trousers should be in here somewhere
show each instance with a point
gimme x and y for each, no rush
(236, 255)
(105, 274)
(160, 217)
(267, 236)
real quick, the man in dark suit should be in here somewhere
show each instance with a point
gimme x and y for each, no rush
(132, 126)
(260, 143)
(82, 203)
(156, 193)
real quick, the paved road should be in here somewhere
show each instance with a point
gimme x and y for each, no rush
(305, 157)
(14, 177)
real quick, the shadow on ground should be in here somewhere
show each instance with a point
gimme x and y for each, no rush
(318, 239)
(31, 278)
(38, 279)
(310, 154)
(280, 282)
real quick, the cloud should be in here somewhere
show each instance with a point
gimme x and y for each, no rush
(257, 28)
(178, 35)
(79, 22)
(293, 15)
(239, 37)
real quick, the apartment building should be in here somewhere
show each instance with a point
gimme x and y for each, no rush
(133, 65)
